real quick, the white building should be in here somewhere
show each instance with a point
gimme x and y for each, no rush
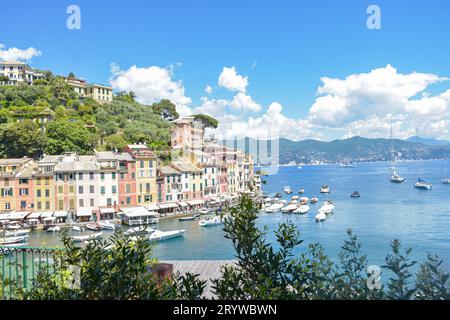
(18, 72)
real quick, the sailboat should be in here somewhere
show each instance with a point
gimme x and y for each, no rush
(421, 184)
(395, 177)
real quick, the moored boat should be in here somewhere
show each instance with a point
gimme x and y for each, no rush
(445, 180)
(301, 191)
(88, 237)
(314, 200)
(54, 229)
(289, 208)
(159, 235)
(287, 190)
(355, 194)
(139, 230)
(93, 227)
(16, 233)
(327, 208)
(422, 185)
(6, 241)
(321, 217)
(211, 221)
(106, 225)
(325, 189)
(190, 218)
(77, 228)
(274, 208)
(302, 209)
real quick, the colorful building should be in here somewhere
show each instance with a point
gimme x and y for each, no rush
(191, 180)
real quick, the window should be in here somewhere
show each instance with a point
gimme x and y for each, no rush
(72, 204)
(60, 204)
(147, 187)
(150, 164)
(80, 176)
(39, 206)
(102, 175)
(113, 175)
(47, 205)
(38, 193)
(80, 190)
(109, 202)
(7, 206)
(148, 198)
(128, 200)
(23, 191)
(91, 189)
(47, 193)
(127, 188)
(122, 176)
(60, 189)
(91, 176)
(141, 163)
(81, 203)
(23, 204)
(91, 202)
(193, 187)
(114, 189)
(71, 189)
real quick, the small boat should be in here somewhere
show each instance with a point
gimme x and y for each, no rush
(274, 208)
(9, 241)
(159, 235)
(423, 185)
(287, 190)
(302, 209)
(304, 200)
(16, 233)
(321, 217)
(289, 208)
(88, 237)
(445, 181)
(327, 208)
(188, 218)
(54, 229)
(278, 195)
(301, 191)
(355, 194)
(107, 225)
(211, 221)
(325, 189)
(396, 178)
(77, 228)
(347, 165)
(295, 198)
(93, 227)
(203, 211)
(314, 200)
(139, 230)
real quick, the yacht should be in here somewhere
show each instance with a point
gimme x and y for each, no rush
(304, 200)
(396, 178)
(289, 208)
(274, 208)
(445, 180)
(159, 235)
(347, 165)
(211, 221)
(287, 190)
(54, 229)
(314, 200)
(321, 217)
(139, 230)
(88, 237)
(327, 208)
(107, 225)
(93, 227)
(423, 185)
(16, 233)
(302, 209)
(77, 228)
(325, 189)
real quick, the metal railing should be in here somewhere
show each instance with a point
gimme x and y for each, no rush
(19, 267)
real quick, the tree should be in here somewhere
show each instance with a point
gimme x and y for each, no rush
(65, 136)
(116, 141)
(206, 121)
(71, 75)
(166, 109)
(21, 139)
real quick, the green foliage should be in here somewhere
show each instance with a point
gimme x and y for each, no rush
(206, 121)
(64, 136)
(166, 109)
(20, 139)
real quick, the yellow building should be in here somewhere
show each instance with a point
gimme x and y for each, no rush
(44, 191)
(146, 165)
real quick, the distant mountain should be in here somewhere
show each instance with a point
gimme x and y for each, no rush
(356, 149)
(428, 141)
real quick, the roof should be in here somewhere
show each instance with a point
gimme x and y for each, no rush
(167, 170)
(13, 62)
(110, 155)
(139, 211)
(16, 161)
(81, 163)
(185, 166)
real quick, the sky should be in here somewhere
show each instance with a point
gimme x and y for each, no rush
(264, 69)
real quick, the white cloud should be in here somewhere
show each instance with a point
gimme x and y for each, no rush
(151, 85)
(15, 54)
(243, 102)
(208, 89)
(229, 79)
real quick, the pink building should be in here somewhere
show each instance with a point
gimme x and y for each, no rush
(127, 180)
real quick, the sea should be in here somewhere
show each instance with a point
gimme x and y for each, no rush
(385, 211)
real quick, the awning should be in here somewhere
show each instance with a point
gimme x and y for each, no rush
(60, 214)
(182, 204)
(35, 215)
(167, 205)
(107, 210)
(4, 216)
(152, 207)
(140, 211)
(84, 213)
(46, 214)
(196, 202)
(18, 215)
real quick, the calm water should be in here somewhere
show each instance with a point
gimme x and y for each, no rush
(385, 211)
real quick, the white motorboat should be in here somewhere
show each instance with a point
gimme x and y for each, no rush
(159, 235)
(314, 200)
(445, 181)
(107, 225)
(347, 165)
(321, 217)
(203, 211)
(304, 200)
(289, 208)
(301, 191)
(275, 207)
(7, 241)
(325, 189)
(294, 198)
(302, 209)
(211, 221)
(88, 237)
(93, 227)
(77, 228)
(16, 233)
(139, 230)
(287, 190)
(423, 185)
(190, 218)
(54, 229)
(327, 208)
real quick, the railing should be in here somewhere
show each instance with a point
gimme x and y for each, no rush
(20, 266)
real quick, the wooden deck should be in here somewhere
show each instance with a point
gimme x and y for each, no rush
(206, 269)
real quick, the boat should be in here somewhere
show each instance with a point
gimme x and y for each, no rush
(422, 185)
(289, 208)
(299, 167)
(274, 208)
(295, 198)
(88, 237)
(396, 178)
(327, 208)
(355, 194)
(107, 225)
(325, 189)
(301, 191)
(8, 241)
(54, 229)
(278, 195)
(203, 211)
(445, 181)
(321, 217)
(302, 209)
(304, 200)
(287, 190)
(159, 235)
(77, 228)
(93, 227)
(188, 218)
(139, 230)
(211, 221)
(16, 233)
(347, 165)
(314, 200)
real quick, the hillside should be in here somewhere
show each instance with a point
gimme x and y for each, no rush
(356, 149)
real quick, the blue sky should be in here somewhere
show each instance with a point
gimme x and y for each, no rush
(283, 47)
